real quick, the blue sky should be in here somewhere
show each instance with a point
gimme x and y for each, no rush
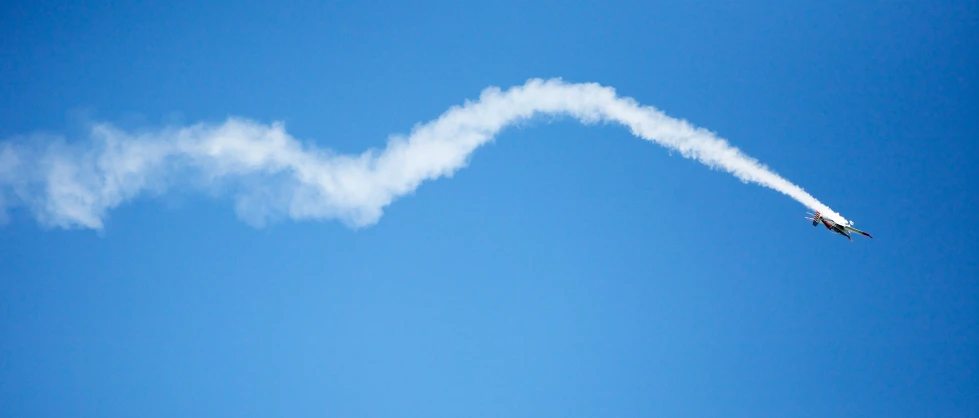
(569, 270)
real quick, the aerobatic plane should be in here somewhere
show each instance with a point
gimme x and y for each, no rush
(836, 227)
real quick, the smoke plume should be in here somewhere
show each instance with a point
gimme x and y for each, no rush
(272, 175)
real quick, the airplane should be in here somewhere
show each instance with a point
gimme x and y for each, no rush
(835, 227)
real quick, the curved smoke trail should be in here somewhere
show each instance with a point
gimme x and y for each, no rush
(74, 185)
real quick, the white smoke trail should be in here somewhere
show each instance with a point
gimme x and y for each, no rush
(74, 185)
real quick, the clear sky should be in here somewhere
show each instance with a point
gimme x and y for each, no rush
(568, 270)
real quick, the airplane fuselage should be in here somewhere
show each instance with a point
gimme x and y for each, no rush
(841, 229)
(833, 226)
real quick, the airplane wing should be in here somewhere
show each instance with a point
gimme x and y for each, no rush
(850, 228)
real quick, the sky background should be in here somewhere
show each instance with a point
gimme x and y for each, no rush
(570, 270)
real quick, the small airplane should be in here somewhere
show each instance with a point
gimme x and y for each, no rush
(836, 227)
